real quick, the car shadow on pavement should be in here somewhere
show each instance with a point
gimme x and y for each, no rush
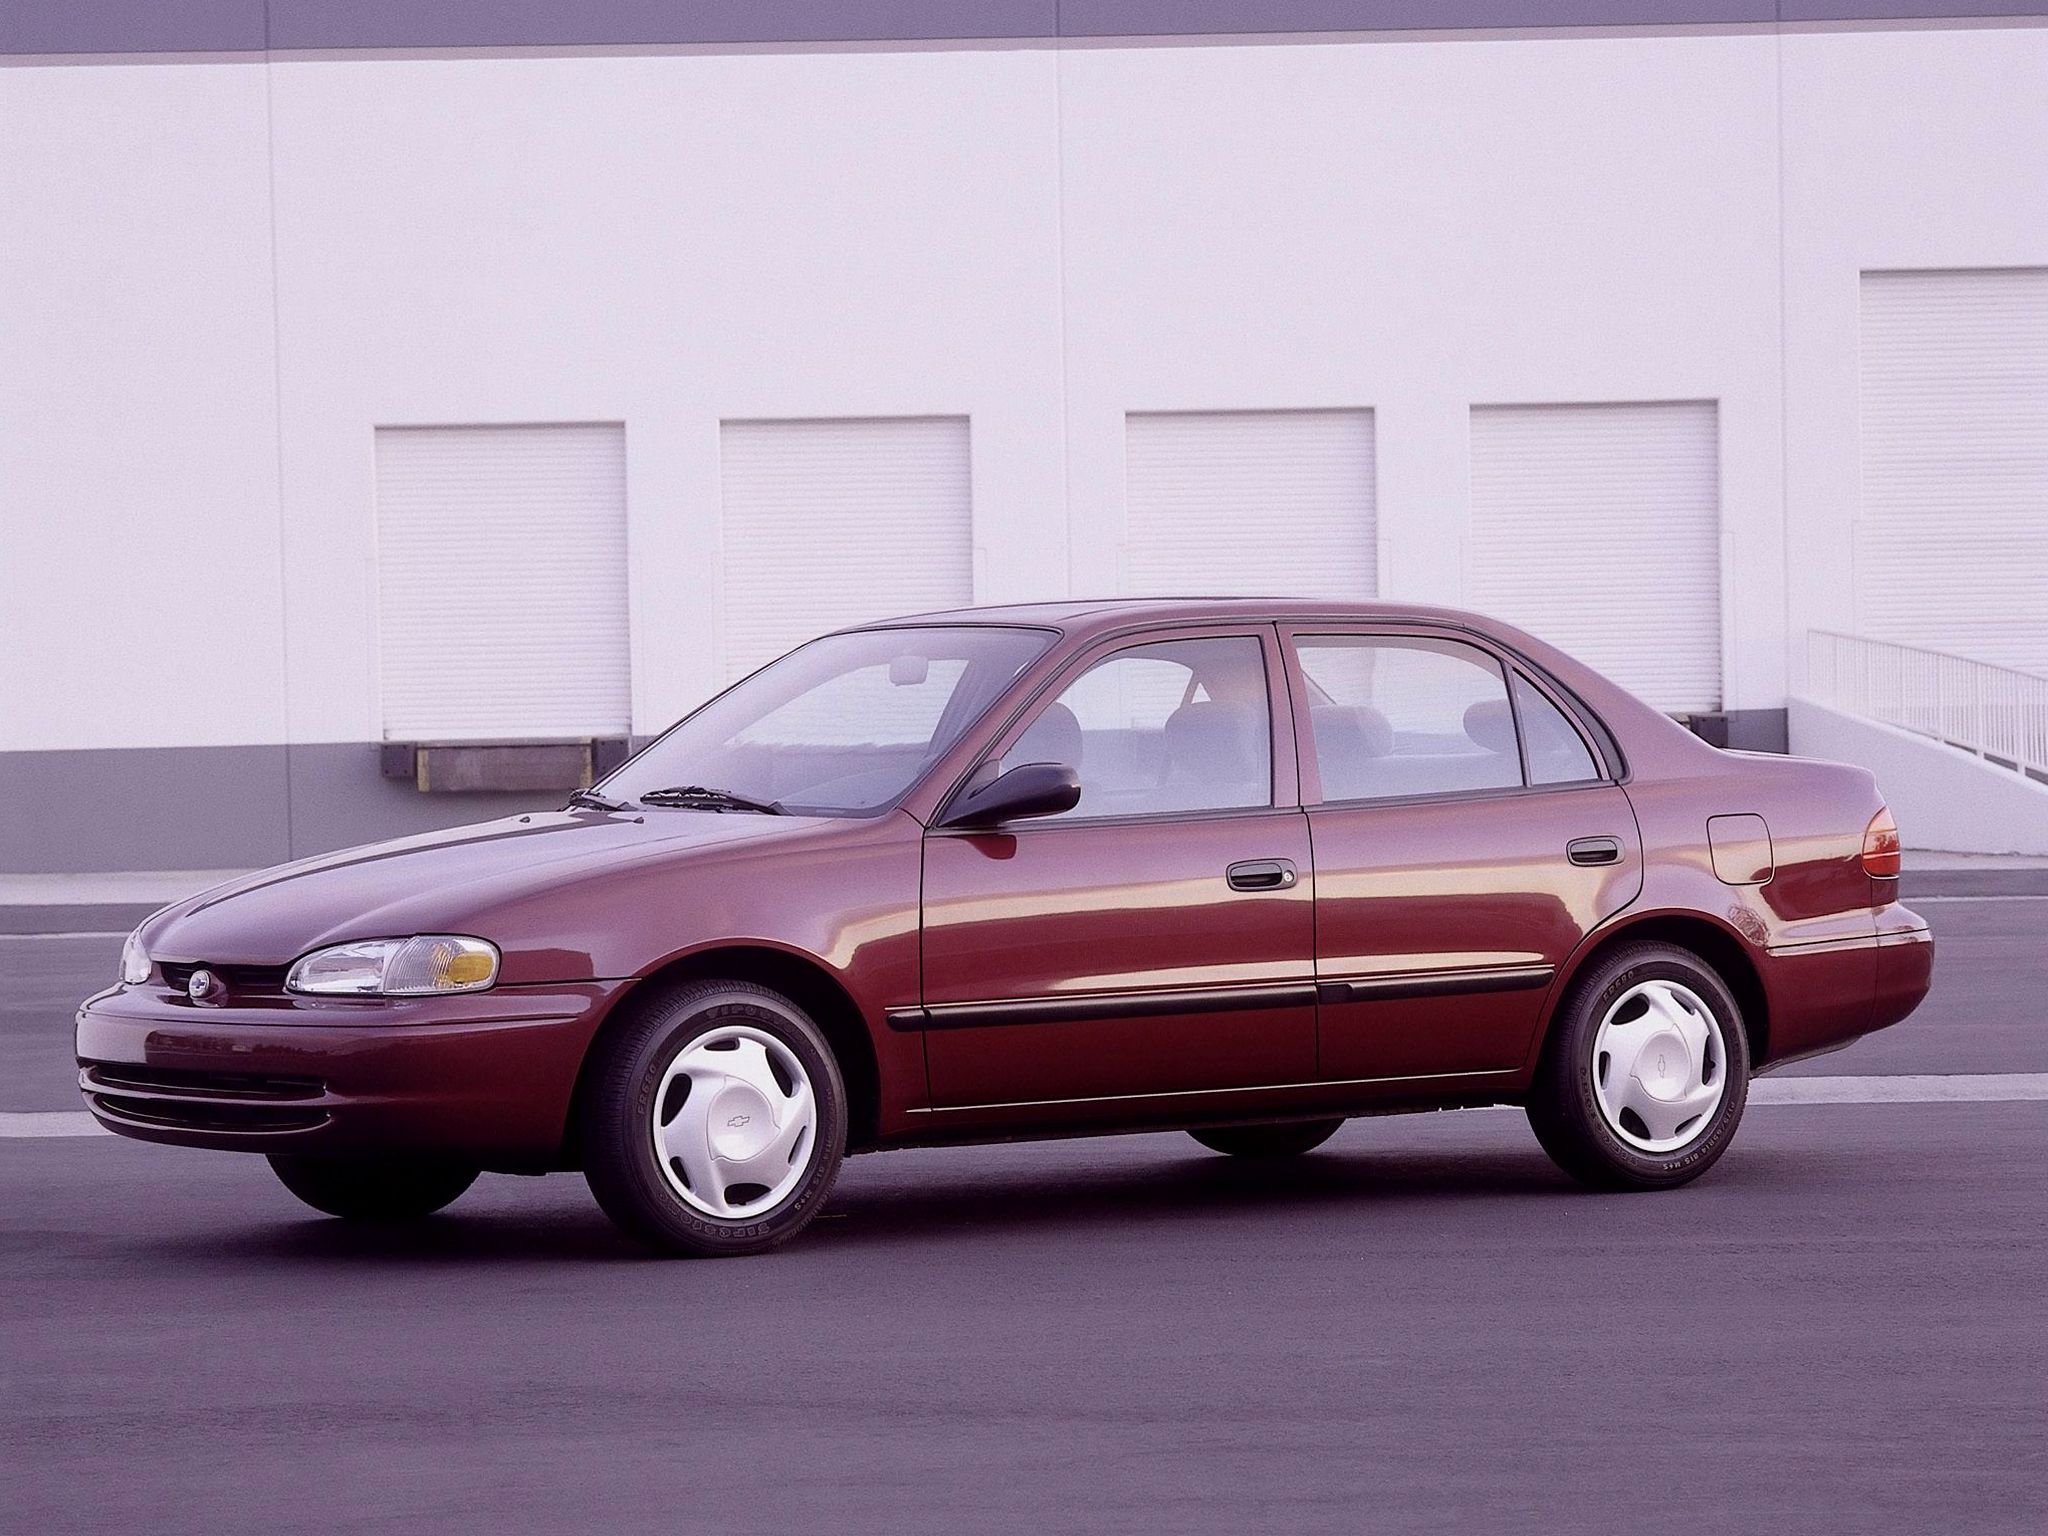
(454, 1238)
(920, 1197)
(933, 1199)
(1199, 1186)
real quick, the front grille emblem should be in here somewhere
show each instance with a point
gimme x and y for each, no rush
(203, 986)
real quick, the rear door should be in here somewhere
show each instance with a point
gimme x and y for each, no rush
(1467, 835)
(1154, 943)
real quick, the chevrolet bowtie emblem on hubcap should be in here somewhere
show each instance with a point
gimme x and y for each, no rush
(737, 1121)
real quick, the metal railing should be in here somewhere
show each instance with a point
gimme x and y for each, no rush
(1997, 713)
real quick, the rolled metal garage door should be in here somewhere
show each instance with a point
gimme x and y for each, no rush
(501, 582)
(836, 522)
(1952, 541)
(1250, 503)
(1598, 528)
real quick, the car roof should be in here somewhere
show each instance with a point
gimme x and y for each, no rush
(1104, 613)
(1655, 742)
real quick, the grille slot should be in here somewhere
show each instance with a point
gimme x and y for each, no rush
(178, 1082)
(238, 978)
(203, 1101)
(203, 1115)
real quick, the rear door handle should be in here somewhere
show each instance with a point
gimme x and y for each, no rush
(1261, 875)
(1593, 850)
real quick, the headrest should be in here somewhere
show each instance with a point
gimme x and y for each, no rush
(1215, 731)
(1054, 737)
(1491, 724)
(1350, 731)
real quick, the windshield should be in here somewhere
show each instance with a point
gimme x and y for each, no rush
(840, 727)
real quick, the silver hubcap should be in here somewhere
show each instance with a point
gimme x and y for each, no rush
(735, 1122)
(1660, 1066)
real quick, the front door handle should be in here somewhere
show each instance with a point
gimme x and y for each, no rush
(1593, 850)
(1261, 875)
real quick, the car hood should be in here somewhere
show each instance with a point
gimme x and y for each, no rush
(456, 881)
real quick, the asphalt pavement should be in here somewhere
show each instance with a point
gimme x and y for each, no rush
(1421, 1327)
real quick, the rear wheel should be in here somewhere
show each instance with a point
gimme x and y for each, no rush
(715, 1120)
(1289, 1140)
(375, 1189)
(1646, 1072)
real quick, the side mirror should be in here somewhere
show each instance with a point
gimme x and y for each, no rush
(1029, 789)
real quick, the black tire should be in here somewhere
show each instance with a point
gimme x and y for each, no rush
(1564, 1109)
(1289, 1140)
(617, 1122)
(381, 1190)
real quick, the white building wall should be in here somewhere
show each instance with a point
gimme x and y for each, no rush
(1904, 150)
(1039, 240)
(667, 241)
(140, 600)
(1418, 227)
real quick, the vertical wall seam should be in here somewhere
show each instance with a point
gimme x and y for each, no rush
(1795, 664)
(277, 432)
(1059, 128)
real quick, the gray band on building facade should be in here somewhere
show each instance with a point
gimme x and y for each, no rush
(115, 27)
(141, 808)
(214, 807)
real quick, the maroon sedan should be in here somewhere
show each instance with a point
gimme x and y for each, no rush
(1241, 868)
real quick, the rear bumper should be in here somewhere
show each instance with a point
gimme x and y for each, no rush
(1824, 996)
(489, 1076)
(1905, 972)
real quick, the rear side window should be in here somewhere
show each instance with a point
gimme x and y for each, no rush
(1183, 725)
(1557, 752)
(1394, 716)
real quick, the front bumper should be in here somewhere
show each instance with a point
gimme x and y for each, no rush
(488, 1076)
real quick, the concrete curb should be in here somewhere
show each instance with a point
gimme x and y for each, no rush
(85, 917)
(1974, 882)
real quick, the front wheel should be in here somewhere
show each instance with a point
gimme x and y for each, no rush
(384, 1190)
(1646, 1072)
(1290, 1140)
(715, 1120)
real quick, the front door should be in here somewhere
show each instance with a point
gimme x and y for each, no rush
(1467, 837)
(1154, 943)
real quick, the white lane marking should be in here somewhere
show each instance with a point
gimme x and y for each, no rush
(1929, 1088)
(1959, 1088)
(82, 933)
(1917, 901)
(63, 1122)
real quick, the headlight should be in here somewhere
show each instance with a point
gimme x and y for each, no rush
(425, 966)
(134, 960)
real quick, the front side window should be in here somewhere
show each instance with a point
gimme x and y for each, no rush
(1181, 725)
(1393, 716)
(841, 726)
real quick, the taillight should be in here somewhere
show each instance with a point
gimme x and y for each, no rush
(1881, 846)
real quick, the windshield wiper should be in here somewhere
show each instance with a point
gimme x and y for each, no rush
(595, 801)
(695, 797)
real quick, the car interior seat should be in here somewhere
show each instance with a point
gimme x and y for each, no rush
(1218, 749)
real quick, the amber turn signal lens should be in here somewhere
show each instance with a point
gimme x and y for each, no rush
(468, 968)
(1881, 846)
